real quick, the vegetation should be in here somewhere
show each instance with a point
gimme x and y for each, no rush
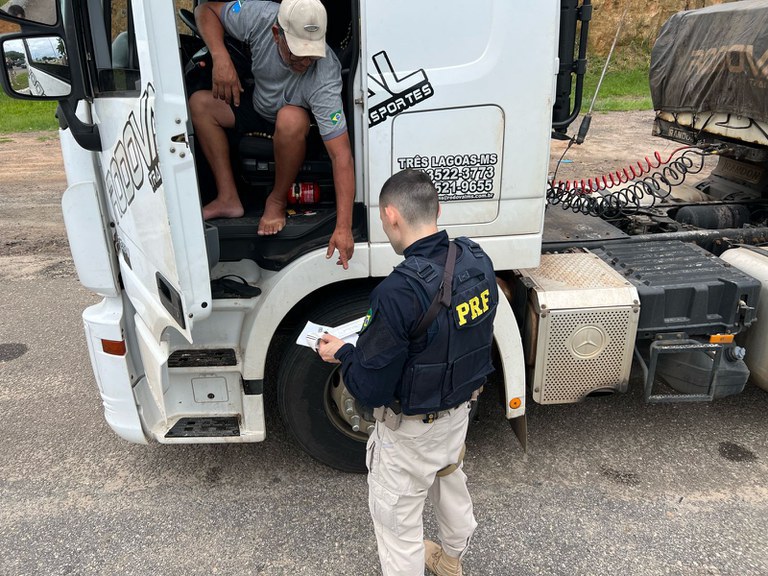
(623, 88)
(25, 115)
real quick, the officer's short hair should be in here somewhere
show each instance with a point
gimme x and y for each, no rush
(413, 194)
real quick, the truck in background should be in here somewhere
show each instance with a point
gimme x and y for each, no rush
(182, 354)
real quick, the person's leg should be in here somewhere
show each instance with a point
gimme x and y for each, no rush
(397, 522)
(397, 489)
(210, 117)
(453, 508)
(290, 142)
(450, 497)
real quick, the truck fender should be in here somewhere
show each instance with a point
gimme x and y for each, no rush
(510, 347)
(281, 291)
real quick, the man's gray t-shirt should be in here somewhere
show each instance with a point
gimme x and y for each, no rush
(275, 84)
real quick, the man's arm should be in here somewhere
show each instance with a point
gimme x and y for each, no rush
(226, 84)
(344, 181)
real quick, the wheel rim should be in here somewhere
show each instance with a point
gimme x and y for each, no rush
(337, 408)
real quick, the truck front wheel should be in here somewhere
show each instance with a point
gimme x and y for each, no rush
(320, 414)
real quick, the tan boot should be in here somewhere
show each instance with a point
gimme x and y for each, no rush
(438, 562)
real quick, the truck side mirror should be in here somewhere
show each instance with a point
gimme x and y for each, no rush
(40, 12)
(36, 67)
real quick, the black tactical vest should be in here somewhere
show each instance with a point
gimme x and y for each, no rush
(457, 356)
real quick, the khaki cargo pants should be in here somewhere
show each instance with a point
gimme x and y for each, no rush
(402, 471)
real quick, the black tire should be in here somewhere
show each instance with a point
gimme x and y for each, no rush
(303, 395)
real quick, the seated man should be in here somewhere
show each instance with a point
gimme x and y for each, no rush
(294, 71)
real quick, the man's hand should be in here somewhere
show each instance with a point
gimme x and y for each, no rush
(342, 241)
(226, 84)
(328, 346)
(344, 181)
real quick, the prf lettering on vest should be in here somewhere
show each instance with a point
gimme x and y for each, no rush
(476, 306)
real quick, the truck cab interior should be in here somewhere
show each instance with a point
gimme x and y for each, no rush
(309, 225)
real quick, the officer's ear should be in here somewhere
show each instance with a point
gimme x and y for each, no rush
(392, 215)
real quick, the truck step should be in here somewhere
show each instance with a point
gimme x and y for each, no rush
(205, 427)
(203, 357)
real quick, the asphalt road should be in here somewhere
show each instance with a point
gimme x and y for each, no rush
(610, 486)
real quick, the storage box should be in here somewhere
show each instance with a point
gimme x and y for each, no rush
(579, 327)
(682, 287)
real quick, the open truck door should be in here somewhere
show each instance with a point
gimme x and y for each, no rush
(138, 191)
(131, 208)
(148, 169)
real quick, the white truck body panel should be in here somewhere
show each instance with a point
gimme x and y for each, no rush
(461, 111)
(90, 247)
(104, 321)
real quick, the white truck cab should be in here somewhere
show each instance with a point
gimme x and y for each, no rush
(428, 85)
(198, 320)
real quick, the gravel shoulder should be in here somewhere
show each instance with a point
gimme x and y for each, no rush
(33, 240)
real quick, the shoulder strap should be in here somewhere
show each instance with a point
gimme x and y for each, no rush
(442, 296)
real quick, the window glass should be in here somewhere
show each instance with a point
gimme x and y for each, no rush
(114, 47)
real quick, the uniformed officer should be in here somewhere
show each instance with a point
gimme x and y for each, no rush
(423, 353)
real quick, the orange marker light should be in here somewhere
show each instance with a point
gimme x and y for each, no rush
(515, 403)
(114, 347)
(721, 338)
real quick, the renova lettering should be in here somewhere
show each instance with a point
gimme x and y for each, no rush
(134, 159)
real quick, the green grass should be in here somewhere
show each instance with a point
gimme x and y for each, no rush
(20, 80)
(622, 89)
(26, 115)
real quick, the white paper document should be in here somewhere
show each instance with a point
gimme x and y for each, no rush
(312, 332)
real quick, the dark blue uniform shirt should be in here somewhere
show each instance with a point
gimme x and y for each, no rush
(372, 370)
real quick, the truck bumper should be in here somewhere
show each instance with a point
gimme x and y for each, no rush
(103, 321)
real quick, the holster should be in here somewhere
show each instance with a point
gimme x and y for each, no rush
(390, 418)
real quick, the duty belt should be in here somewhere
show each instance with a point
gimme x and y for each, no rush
(392, 415)
(430, 417)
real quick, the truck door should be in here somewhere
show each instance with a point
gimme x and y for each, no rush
(148, 170)
(463, 91)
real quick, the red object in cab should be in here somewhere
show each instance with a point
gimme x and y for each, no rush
(304, 193)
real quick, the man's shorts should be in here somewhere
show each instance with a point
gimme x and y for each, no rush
(247, 120)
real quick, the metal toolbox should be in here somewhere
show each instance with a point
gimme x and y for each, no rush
(579, 327)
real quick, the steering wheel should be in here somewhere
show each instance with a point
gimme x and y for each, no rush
(188, 18)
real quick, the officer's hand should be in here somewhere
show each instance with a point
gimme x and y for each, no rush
(328, 346)
(226, 84)
(343, 242)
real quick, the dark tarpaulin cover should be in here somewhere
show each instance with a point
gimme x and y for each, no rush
(713, 60)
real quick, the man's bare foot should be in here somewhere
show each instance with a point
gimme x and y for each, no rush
(219, 209)
(273, 219)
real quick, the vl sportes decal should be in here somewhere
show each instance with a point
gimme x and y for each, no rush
(389, 95)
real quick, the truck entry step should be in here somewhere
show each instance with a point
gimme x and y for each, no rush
(205, 427)
(202, 357)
